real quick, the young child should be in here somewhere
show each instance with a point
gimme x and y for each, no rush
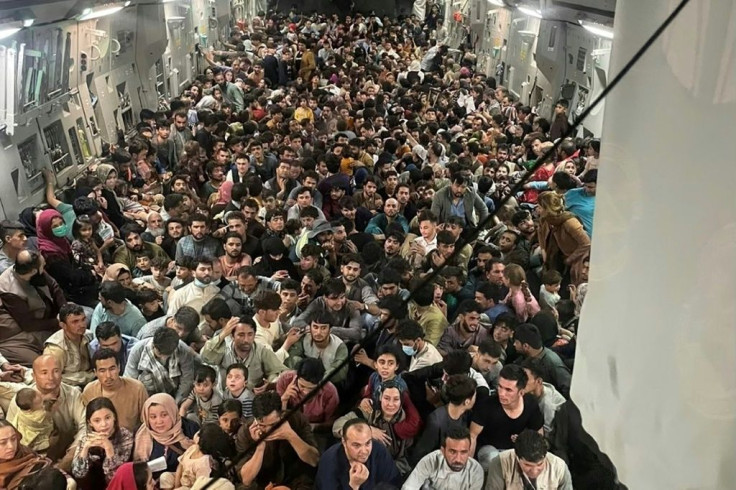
(519, 299)
(236, 387)
(204, 396)
(387, 366)
(85, 251)
(211, 449)
(32, 421)
(143, 264)
(549, 293)
(149, 302)
(157, 280)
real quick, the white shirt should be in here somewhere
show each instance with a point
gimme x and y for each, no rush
(426, 357)
(433, 467)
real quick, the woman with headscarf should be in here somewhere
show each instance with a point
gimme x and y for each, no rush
(79, 285)
(163, 433)
(109, 178)
(16, 461)
(121, 273)
(565, 244)
(132, 476)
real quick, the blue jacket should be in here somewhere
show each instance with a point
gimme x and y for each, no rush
(377, 225)
(334, 469)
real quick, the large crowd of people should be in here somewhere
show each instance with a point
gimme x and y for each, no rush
(330, 200)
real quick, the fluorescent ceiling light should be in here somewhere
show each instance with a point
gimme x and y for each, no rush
(531, 12)
(10, 28)
(598, 29)
(102, 11)
(28, 22)
(497, 2)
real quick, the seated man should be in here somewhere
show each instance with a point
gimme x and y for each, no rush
(320, 343)
(549, 399)
(529, 461)
(499, 418)
(164, 364)
(108, 336)
(236, 344)
(30, 301)
(378, 225)
(487, 361)
(460, 393)
(185, 322)
(451, 467)
(356, 462)
(198, 292)
(65, 402)
(466, 330)
(134, 246)
(528, 343)
(422, 354)
(423, 310)
(115, 307)
(333, 306)
(239, 293)
(126, 394)
(285, 457)
(293, 386)
(70, 346)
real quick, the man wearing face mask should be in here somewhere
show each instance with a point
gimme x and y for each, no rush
(198, 292)
(30, 301)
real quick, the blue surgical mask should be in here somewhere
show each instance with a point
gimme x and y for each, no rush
(409, 351)
(200, 284)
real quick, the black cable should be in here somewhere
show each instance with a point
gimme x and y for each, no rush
(517, 188)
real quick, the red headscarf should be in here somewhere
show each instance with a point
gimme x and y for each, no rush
(47, 242)
(124, 478)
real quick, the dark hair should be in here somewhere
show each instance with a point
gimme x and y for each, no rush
(48, 478)
(266, 300)
(70, 309)
(334, 287)
(265, 404)
(457, 362)
(113, 291)
(24, 398)
(98, 404)
(103, 354)
(491, 348)
(459, 387)
(237, 365)
(129, 229)
(166, 341)
(85, 206)
(491, 291)
(530, 446)
(396, 306)
(290, 285)
(468, 306)
(217, 309)
(25, 266)
(353, 423)
(528, 333)
(409, 330)
(310, 369)
(214, 442)
(551, 277)
(423, 296)
(230, 405)
(204, 373)
(106, 330)
(140, 474)
(351, 257)
(514, 372)
(456, 433)
(187, 317)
